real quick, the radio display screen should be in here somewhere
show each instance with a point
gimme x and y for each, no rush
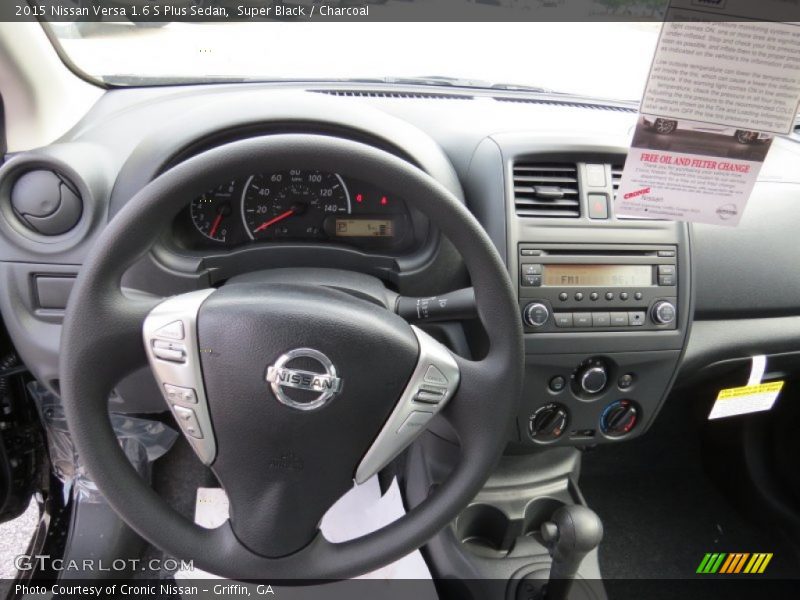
(597, 275)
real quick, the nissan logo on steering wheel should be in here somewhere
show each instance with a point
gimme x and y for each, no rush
(316, 387)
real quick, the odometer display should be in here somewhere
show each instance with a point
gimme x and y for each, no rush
(293, 204)
(381, 228)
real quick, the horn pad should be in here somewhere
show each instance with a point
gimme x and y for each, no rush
(299, 381)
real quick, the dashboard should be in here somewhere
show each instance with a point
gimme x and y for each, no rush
(616, 311)
(295, 205)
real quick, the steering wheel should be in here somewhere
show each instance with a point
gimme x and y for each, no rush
(288, 392)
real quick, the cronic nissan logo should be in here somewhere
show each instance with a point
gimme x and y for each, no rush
(322, 382)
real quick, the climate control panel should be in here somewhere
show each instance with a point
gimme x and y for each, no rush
(584, 400)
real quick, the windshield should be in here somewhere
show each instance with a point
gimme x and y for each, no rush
(608, 60)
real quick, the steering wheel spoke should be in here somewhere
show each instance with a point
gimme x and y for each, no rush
(435, 379)
(117, 349)
(170, 340)
(472, 407)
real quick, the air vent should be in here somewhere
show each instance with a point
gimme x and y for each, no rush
(616, 177)
(391, 94)
(46, 202)
(589, 105)
(546, 190)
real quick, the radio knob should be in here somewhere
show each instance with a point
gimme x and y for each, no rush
(536, 314)
(663, 312)
(593, 379)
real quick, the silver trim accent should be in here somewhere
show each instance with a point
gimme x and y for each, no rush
(346, 193)
(528, 309)
(658, 307)
(328, 384)
(241, 207)
(586, 374)
(394, 437)
(187, 373)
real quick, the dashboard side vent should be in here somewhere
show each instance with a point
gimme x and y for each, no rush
(616, 177)
(546, 190)
(589, 105)
(391, 94)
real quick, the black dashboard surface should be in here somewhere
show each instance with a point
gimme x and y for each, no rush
(131, 135)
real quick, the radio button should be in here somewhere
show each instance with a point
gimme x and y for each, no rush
(638, 296)
(582, 319)
(666, 269)
(601, 319)
(531, 280)
(609, 295)
(666, 253)
(666, 280)
(531, 269)
(594, 296)
(563, 296)
(619, 319)
(636, 319)
(623, 296)
(530, 252)
(564, 320)
(578, 296)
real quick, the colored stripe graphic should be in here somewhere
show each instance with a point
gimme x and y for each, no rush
(711, 563)
(734, 563)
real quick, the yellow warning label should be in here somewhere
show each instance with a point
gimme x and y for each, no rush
(749, 390)
(745, 399)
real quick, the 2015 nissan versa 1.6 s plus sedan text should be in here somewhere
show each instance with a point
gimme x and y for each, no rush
(299, 319)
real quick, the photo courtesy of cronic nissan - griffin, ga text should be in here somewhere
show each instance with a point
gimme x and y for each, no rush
(399, 299)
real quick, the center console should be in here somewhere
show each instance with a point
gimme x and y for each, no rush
(605, 301)
(606, 306)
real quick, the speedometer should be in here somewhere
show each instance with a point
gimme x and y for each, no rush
(293, 204)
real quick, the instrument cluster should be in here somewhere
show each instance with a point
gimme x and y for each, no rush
(296, 205)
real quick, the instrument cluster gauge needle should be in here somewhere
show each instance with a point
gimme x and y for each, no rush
(215, 225)
(272, 221)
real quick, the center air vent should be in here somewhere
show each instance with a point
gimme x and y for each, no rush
(616, 177)
(546, 190)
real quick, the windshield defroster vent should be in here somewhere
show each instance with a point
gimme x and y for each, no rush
(546, 190)
(410, 95)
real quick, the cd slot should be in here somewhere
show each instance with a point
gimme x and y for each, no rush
(596, 253)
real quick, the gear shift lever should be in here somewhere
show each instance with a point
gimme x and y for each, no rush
(570, 535)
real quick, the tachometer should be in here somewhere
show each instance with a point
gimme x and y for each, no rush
(293, 204)
(213, 213)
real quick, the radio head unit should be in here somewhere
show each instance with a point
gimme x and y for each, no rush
(569, 287)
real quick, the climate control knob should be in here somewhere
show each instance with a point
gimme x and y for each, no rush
(619, 418)
(548, 423)
(590, 377)
(536, 314)
(663, 312)
(593, 379)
